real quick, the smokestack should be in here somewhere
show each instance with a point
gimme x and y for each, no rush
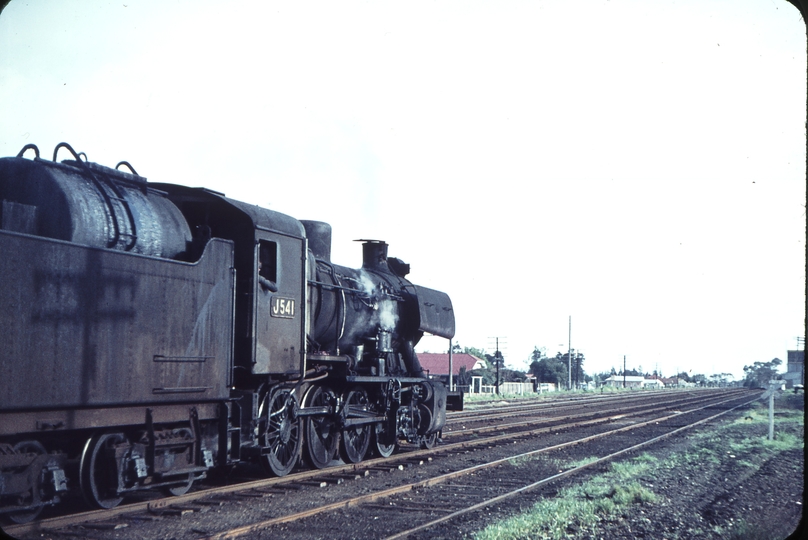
(374, 255)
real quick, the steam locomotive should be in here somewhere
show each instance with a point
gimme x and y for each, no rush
(152, 332)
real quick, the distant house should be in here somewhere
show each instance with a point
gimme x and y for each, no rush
(437, 364)
(676, 382)
(633, 381)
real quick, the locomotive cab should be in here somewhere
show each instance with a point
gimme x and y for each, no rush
(270, 249)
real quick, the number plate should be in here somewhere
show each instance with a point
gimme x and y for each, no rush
(283, 307)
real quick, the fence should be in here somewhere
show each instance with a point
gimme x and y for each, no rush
(517, 388)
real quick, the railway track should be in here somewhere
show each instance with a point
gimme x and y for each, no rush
(489, 500)
(508, 419)
(280, 497)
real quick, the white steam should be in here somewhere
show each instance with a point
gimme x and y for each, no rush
(385, 310)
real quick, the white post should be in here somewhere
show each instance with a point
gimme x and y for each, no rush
(773, 387)
(451, 366)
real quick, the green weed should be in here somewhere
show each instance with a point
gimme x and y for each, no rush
(575, 512)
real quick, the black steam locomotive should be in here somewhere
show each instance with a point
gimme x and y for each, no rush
(152, 332)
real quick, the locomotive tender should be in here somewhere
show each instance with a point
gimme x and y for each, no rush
(152, 332)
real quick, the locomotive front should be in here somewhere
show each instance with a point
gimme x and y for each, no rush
(372, 317)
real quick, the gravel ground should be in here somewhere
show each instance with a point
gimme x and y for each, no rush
(694, 500)
(743, 496)
(735, 496)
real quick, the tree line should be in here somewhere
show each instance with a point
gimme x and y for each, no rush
(555, 370)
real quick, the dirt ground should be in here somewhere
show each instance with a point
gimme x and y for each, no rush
(718, 492)
(720, 489)
(698, 502)
(710, 485)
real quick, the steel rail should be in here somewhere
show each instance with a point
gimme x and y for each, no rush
(165, 502)
(498, 414)
(516, 404)
(373, 497)
(635, 406)
(539, 483)
(527, 404)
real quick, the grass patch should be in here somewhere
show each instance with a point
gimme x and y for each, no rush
(517, 461)
(578, 511)
(745, 531)
(579, 463)
(580, 507)
(555, 463)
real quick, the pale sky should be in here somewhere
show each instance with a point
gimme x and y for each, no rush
(639, 166)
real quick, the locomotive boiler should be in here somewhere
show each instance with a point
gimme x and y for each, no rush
(153, 332)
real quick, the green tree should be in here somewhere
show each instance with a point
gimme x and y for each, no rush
(538, 353)
(479, 353)
(550, 370)
(759, 374)
(603, 375)
(511, 375)
(683, 377)
(700, 379)
(463, 377)
(489, 376)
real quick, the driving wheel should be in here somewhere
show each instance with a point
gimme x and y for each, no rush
(322, 436)
(279, 432)
(428, 441)
(385, 442)
(355, 439)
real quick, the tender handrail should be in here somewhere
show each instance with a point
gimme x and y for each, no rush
(128, 165)
(29, 147)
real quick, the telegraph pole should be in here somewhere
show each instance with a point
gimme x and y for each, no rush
(497, 359)
(569, 356)
(624, 371)
(497, 356)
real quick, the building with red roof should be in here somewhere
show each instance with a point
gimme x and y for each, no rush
(437, 364)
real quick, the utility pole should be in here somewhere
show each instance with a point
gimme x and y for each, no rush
(497, 356)
(624, 371)
(569, 356)
(498, 360)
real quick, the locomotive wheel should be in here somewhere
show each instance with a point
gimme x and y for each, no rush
(29, 447)
(181, 489)
(428, 441)
(280, 432)
(384, 443)
(184, 487)
(355, 439)
(98, 471)
(322, 436)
